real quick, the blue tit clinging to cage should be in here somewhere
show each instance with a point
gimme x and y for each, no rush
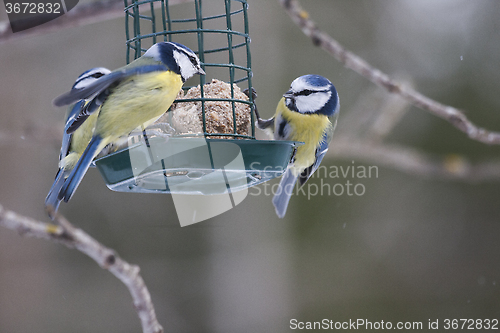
(73, 144)
(303, 114)
(129, 97)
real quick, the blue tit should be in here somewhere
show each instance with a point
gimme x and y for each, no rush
(306, 113)
(74, 144)
(129, 97)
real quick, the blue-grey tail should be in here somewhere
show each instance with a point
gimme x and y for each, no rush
(285, 189)
(52, 199)
(75, 177)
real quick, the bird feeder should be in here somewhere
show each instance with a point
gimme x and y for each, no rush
(205, 143)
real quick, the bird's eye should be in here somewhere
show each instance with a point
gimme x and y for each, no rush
(193, 60)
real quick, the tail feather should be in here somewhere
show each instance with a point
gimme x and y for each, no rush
(282, 197)
(52, 199)
(75, 177)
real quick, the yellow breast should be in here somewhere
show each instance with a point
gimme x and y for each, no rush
(307, 128)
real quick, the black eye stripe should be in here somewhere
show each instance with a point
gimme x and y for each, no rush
(307, 92)
(97, 75)
(193, 60)
(189, 55)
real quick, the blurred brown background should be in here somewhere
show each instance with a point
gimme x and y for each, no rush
(412, 248)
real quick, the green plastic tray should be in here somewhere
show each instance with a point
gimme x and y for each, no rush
(194, 165)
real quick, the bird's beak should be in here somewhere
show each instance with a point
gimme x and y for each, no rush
(201, 71)
(288, 94)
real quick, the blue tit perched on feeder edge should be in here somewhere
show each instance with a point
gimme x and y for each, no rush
(73, 144)
(303, 114)
(129, 97)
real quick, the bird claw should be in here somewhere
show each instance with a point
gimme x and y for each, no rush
(254, 93)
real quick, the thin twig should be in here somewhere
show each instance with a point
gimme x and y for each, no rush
(412, 161)
(361, 138)
(83, 14)
(72, 237)
(454, 116)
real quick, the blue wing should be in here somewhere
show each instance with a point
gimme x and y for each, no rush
(66, 141)
(85, 112)
(98, 91)
(52, 197)
(75, 177)
(103, 83)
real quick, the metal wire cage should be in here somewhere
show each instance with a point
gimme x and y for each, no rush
(221, 41)
(206, 161)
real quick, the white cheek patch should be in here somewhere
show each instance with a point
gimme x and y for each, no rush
(187, 68)
(87, 79)
(84, 83)
(312, 102)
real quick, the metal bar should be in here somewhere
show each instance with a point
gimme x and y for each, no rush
(169, 20)
(163, 18)
(207, 17)
(153, 22)
(231, 59)
(249, 65)
(199, 25)
(208, 99)
(127, 33)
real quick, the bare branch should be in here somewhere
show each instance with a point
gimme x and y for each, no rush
(361, 138)
(72, 237)
(454, 116)
(83, 14)
(412, 161)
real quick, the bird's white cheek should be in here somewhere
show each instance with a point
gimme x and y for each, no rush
(187, 68)
(311, 103)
